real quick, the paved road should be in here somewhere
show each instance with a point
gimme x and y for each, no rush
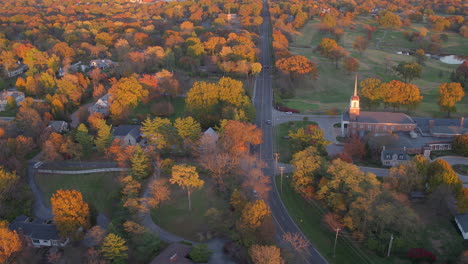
(263, 103)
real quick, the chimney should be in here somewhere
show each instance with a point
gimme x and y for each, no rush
(383, 148)
(462, 122)
(431, 124)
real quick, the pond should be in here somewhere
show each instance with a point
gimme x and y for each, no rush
(447, 59)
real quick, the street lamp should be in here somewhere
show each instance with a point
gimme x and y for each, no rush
(281, 183)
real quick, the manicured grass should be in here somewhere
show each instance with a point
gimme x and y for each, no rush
(175, 216)
(143, 110)
(461, 168)
(334, 86)
(308, 216)
(99, 189)
(282, 131)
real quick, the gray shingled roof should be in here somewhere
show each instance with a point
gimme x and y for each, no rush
(381, 117)
(463, 221)
(391, 152)
(124, 130)
(36, 229)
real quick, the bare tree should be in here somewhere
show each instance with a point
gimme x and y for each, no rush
(297, 241)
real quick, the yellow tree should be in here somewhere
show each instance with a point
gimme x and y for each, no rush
(305, 164)
(449, 95)
(70, 211)
(114, 248)
(254, 213)
(9, 242)
(265, 254)
(371, 92)
(125, 93)
(188, 128)
(186, 177)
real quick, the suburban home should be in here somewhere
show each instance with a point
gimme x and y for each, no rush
(58, 126)
(128, 134)
(101, 106)
(175, 253)
(462, 223)
(17, 95)
(102, 64)
(38, 232)
(393, 157)
(20, 69)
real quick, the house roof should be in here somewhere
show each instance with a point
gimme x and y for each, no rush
(35, 228)
(401, 154)
(176, 248)
(462, 221)
(380, 117)
(124, 130)
(439, 125)
(58, 125)
(210, 131)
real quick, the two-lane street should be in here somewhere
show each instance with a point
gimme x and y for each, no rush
(263, 102)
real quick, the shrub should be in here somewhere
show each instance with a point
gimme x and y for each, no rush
(200, 253)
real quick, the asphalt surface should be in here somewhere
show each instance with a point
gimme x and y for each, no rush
(263, 102)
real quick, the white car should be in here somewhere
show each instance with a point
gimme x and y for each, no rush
(289, 113)
(268, 122)
(38, 164)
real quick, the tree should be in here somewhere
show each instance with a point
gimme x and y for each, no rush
(238, 136)
(371, 92)
(200, 253)
(104, 136)
(297, 241)
(462, 201)
(408, 177)
(7, 182)
(140, 164)
(441, 173)
(356, 148)
(398, 93)
(254, 213)
(70, 211)
(449, 95)
(158, 131)
(336, 54)
(95, 236)
(125, 93)
(306, 165)
(297, 66)
(351, 64)
(186, 177)
(265, 254)
(158, 192)
(460, 144)
(114, 248)
(146, 245)
(360, 44)
(10, 242)
(408, 70)
(84, 139)
(311, 136)
(390, 20)
(326, 46)
(188, 128)
(461, 74)
(420, 56)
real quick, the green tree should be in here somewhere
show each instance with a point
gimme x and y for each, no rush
(306, 165)
(7, 182)
(140, 164)
(200, 253)
(84, 139)
(146, 246)
(158, 131)
(311, 136)
(449, 95)
(408, 71)
(104, 136)
(114, 248)
(186, 177)
(460, 144)
(441, 173)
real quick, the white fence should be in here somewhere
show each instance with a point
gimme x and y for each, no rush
(81, 171)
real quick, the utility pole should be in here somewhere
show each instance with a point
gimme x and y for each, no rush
(336, 239)
(281, 170)
(276, 160)
(390, 245)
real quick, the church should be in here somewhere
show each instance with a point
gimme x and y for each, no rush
(355, 122)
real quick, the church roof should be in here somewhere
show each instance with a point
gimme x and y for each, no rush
(380, 117)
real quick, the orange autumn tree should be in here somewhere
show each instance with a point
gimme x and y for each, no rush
(449, 95)
(254, 213)
(397, 93)
(70, 211)
(297, 66)
(265, 254)
(9, 242)
(239, 135)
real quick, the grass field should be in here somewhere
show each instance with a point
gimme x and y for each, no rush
(309, 219)
(99, 189)
(175, 216)
(282, 131)
(143, 110)
(334, 86)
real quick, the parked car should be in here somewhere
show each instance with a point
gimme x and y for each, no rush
(268, 122)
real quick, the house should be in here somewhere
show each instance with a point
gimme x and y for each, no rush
(462, 223)
(101, 106)
(128, 134)
(58, 126)
(38, 232)
(175, 253)
(355, 122)
(17, 95)
(20, 69)
(102, 64)
(393, 157)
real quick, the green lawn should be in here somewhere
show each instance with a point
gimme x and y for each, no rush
(334, 86)
(98, 189)
(143, 110)
(175, 217)
(308, 217)
(461, 168)
(282, 144)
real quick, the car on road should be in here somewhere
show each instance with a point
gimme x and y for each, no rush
(289, 113)
(38, 164)
(268, 122)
